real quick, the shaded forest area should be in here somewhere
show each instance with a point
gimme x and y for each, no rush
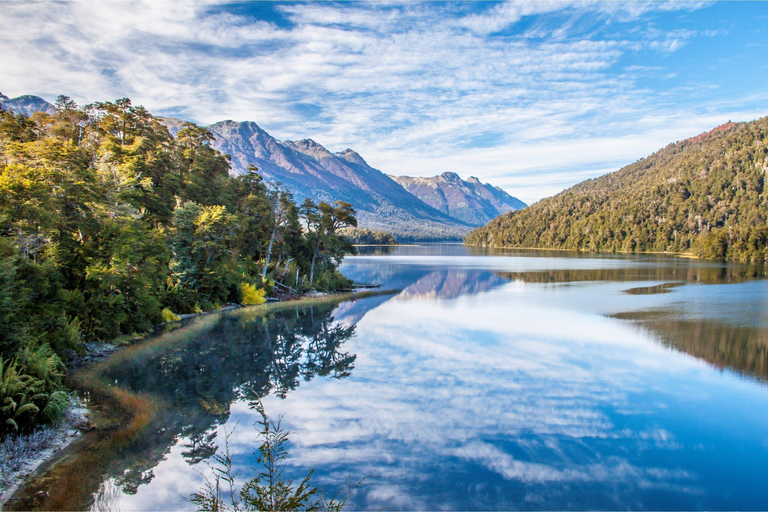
(110, 226)
(704, 195)
(365, 236)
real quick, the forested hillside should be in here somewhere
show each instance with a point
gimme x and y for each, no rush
(110, 226)
(704, 195)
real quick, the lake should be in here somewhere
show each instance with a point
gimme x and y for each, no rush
(489, 380)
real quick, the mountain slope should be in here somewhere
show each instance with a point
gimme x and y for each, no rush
(470, 201)
(310, 170)
(705, 194)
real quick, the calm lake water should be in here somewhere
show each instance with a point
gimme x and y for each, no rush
(493, 380)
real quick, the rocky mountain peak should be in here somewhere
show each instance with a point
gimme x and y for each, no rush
(451, 176)
(27, 105)
(469, 201)
(352, 156)
(310, 148)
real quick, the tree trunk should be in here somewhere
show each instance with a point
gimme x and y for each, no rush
(269, 250)
(312, 267)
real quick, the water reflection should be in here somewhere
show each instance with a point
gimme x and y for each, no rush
(721, 344)
(243, 356)
(195, 375)
(494, 380)
(507, 400)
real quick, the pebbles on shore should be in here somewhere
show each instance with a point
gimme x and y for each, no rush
(21, 455)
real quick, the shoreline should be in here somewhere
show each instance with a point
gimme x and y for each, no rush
(136, 410)
(688, 255)
(55, 437)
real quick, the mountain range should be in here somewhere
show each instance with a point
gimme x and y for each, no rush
(439, 208)
(469, 201)
(27, 104)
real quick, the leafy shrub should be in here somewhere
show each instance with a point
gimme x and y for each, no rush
(331, 280)
(250, 295)
(169, 316)
(268, 490)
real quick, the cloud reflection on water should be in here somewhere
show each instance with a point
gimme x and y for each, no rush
(480, 387)
(431, 387)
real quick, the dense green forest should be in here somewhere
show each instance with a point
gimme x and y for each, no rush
(110, 226)
(704, 195)
(364, 236)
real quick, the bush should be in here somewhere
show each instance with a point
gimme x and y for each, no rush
(169, 316)
(332, 280)
(250, 295)
(269, 490)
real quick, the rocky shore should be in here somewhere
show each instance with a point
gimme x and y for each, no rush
(21, 455)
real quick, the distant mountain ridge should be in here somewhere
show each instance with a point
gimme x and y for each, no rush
(704, 195)
(27, 104)
(470, 201)
(308, 169)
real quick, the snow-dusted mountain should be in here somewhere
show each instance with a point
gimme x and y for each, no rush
(469, 201)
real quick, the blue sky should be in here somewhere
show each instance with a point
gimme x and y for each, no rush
(531, 96)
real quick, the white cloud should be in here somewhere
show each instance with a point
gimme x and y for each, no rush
(408, 85)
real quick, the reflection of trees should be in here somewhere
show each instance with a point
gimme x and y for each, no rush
(201, 446)
(715, 274)
(739, 348)
(324, 357)
(244, 356)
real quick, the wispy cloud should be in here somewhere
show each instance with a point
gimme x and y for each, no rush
(411, 86)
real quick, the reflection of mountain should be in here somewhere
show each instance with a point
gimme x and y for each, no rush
(435, 285)
(739, 348)
(450, 284)
(206, 366)
(417, 284)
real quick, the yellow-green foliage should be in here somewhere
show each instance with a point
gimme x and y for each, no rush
(111, 224)
(251, 295)
(169, 316)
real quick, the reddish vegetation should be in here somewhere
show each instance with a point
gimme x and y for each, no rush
(715, 131)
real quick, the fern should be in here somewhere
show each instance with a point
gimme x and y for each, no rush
(31, 388)
(57, 403)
